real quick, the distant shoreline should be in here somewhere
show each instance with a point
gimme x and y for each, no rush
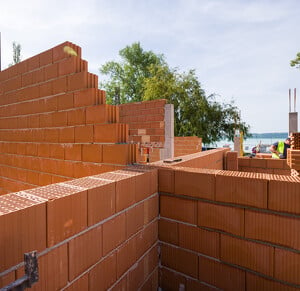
(282, 135)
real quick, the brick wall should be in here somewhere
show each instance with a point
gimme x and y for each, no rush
(228, 230)
(108, 238)
(185, 145)
(214, 228)
(54, 123)
(264, 165)
(146, 121)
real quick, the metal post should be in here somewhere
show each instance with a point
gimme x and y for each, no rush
(294, 99)
(0, 51)
(290, 100)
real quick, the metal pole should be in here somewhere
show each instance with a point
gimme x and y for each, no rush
(289, 100)
(0, 51)
(294, 99)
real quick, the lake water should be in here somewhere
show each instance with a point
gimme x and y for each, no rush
(249, 143)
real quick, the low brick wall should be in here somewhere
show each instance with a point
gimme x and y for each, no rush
(214, 229)
(108, 238)
(229, 230)
(264, 165)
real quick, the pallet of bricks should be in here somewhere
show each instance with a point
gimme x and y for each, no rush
(293, 156)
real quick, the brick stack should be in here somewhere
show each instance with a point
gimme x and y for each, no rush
(54, 123)
(293, 156)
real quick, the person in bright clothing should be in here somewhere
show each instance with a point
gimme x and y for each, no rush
(279, 149)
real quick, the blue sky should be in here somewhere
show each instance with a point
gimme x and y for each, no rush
(240, 49)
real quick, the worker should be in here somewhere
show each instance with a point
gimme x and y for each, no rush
(279, 149)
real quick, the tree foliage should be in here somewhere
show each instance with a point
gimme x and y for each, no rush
(16, 53)
(296, 61)
(144, 75)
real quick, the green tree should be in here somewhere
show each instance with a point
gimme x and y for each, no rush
(296, 61)
(126, 78)
(144, 75)
(16, 54)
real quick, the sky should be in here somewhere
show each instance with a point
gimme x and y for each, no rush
(240, 49)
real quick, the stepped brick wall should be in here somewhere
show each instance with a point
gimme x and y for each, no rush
(163, 224)
(54, 123)
(185, 145)
(146, 122)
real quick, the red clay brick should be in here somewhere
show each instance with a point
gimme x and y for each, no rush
(221, 217)
(179, 209)
(101, 202)
(151, 261)
(96, 114)
(151, 209)
(168, 231)
(108, 133)
(45, 58)
(284, 194)
(199, 240)
(59, 85)
(197, 285)
(51, 72)
(67, 135)
(73, 152)
(166, 180)
(287, 266)
(77, 81)
(134, 219)
(136, 277)
(220, 275)
(116, 154)
(246, 189)
(7, 279)
(195, 184)
(273, 228)
(114, 233)
(146, 238)
(103, 275)
(21, 215)
(67, 66)
(76, 116)
(121, 285)
(53, 269)
(81, 284)
(152, 282)
(247, 254)
(71, 219)
(92, 153)
(259, 283)
(101, 198)
(84, 251)
(85, 97)
(125, 192)
(126, 256)
(65, 101)
(170, 280)
(179, 260)
(84, 134)
(57, 151)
